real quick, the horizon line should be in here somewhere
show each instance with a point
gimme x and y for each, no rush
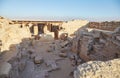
(62, 18)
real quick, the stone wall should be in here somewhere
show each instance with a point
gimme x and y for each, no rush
(97, 44)
(105, 25)
(71, 26)
(11, 33)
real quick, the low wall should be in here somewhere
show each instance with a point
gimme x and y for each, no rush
(105, 25)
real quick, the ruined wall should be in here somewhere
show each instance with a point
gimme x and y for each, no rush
(71, 26)
(105, 25)
(97, 44)
(12, 34)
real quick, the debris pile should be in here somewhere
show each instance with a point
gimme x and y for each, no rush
(97, 44)
(76, 50)
(98, 69)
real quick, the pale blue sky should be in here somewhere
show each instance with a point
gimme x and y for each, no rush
(63, 9)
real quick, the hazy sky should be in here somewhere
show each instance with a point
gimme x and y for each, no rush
(60, 9)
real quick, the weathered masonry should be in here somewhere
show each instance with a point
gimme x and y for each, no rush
(105, 25)
(40, 27)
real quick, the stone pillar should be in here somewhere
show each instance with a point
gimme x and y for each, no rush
(35, 30)
(56, 32)
(46, 30)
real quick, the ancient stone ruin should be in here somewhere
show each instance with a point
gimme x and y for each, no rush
(59, 49)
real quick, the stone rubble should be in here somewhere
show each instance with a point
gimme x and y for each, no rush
(38, 60)
(80, 51)
(4, 69)
(95, 45)
(98, 69)
(63, 55)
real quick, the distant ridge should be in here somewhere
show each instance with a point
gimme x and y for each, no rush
(44, 18)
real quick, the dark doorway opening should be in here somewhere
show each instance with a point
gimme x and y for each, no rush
(41, 28)
(32, 29)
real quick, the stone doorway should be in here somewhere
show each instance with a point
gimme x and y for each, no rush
(41, 28)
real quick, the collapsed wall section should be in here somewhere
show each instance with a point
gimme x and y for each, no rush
(97, 44)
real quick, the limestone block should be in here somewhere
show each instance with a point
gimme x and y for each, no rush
(64, 36)
(63, 55)
(4, 69)
(38, 60)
